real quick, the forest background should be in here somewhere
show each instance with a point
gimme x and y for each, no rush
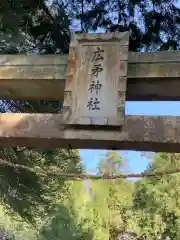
(48, 206)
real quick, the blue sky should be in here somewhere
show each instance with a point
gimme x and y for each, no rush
(136, 163)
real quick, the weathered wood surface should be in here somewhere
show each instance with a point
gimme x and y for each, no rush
(151, 76)
(97, 79)
(32, 77)
(45, 131)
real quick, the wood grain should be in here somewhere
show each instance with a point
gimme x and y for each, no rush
(150, 76)
(45, 131)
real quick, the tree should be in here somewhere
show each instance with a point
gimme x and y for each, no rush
(28, 193)
(33, 26)
(157, 29)
(120, 191)
(64, 226)
(36, 27)
(156, 200)
(25, 27)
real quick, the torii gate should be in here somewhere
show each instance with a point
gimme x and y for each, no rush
(93, 81)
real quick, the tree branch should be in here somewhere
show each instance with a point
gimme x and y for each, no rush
(51, 18)
(82, 15)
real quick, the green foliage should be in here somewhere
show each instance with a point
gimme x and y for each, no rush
(61, 209)
(82, 218)
(156, 200)
(26, 192)
(105, 209)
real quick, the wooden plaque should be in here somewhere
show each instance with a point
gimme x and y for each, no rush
(96, 79)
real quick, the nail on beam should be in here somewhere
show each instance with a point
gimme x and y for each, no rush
(151, 76)
(159, 134)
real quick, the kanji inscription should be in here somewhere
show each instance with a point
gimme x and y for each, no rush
(94, 103)
(96, 97)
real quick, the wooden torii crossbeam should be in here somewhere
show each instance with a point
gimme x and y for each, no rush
(149, 76)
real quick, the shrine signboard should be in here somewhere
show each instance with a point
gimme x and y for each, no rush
(95, 89)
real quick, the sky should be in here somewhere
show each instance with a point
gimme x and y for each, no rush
(135, 162)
